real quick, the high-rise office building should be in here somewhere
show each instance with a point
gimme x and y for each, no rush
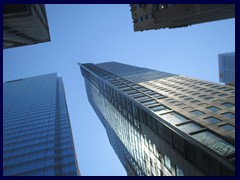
(37, 136)
(164, 124)
(158, 16)
(24, 24)
(226, 64)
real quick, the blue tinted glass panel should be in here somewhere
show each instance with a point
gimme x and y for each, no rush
(213, 108)
(229, 105)
(197, 113)
(189, 127)
(167, 162)
(212, 120)
(173, 118)
(214, 142)
(229, 115)
(179, 171)
(228, 127)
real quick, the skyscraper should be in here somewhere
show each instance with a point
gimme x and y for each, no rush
(37, 136)
(163, 124)
(158, 16)
(24, 24)
(226, 63)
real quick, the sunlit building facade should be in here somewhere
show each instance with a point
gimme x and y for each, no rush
(163, 124)
(37, 136)
(226, 64)
(24, 24)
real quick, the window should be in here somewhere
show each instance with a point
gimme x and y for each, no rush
(217, 101)
(188, 99)
(157, 108)
(173, 118)
(179, 105)
(208, 98)
(227, 89)
(229, 115)
(228, 105)
(158, 96)
(195, 101)
(197, 113)
(179, 171)
(142, 98)
(187, 108)
(214, 142)
(169, 99)
(189, 127)
(213, 108)
(214, 86)
(131, 92)
(148, 102)
(167, 162)
(212, 120)
(164, 110)
(227, 127)
(182, 96)
(173, 102)
(139, 94)
(141, 19)
(203, 104)
(222, 95)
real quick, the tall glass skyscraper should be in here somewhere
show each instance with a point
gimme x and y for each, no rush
(164, 124)
(227, 68)
(37, 137)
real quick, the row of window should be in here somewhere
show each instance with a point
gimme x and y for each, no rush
(35, 138)
(43, 124)
(228, 115)
(178, 103)
(161, 130)
(181, 79)
(174, 118)
(32, 124)
(172, 84)
(173, 92)
(43, 167)
(43, 133)
(159, 109)
(24, 145)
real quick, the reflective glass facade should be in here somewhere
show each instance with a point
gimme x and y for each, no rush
(227, 68)
(37, 137)
(157, 126)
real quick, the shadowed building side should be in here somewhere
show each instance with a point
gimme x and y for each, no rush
(24, 24)
(158, 16)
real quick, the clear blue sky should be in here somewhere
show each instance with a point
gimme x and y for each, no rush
(100, 33)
